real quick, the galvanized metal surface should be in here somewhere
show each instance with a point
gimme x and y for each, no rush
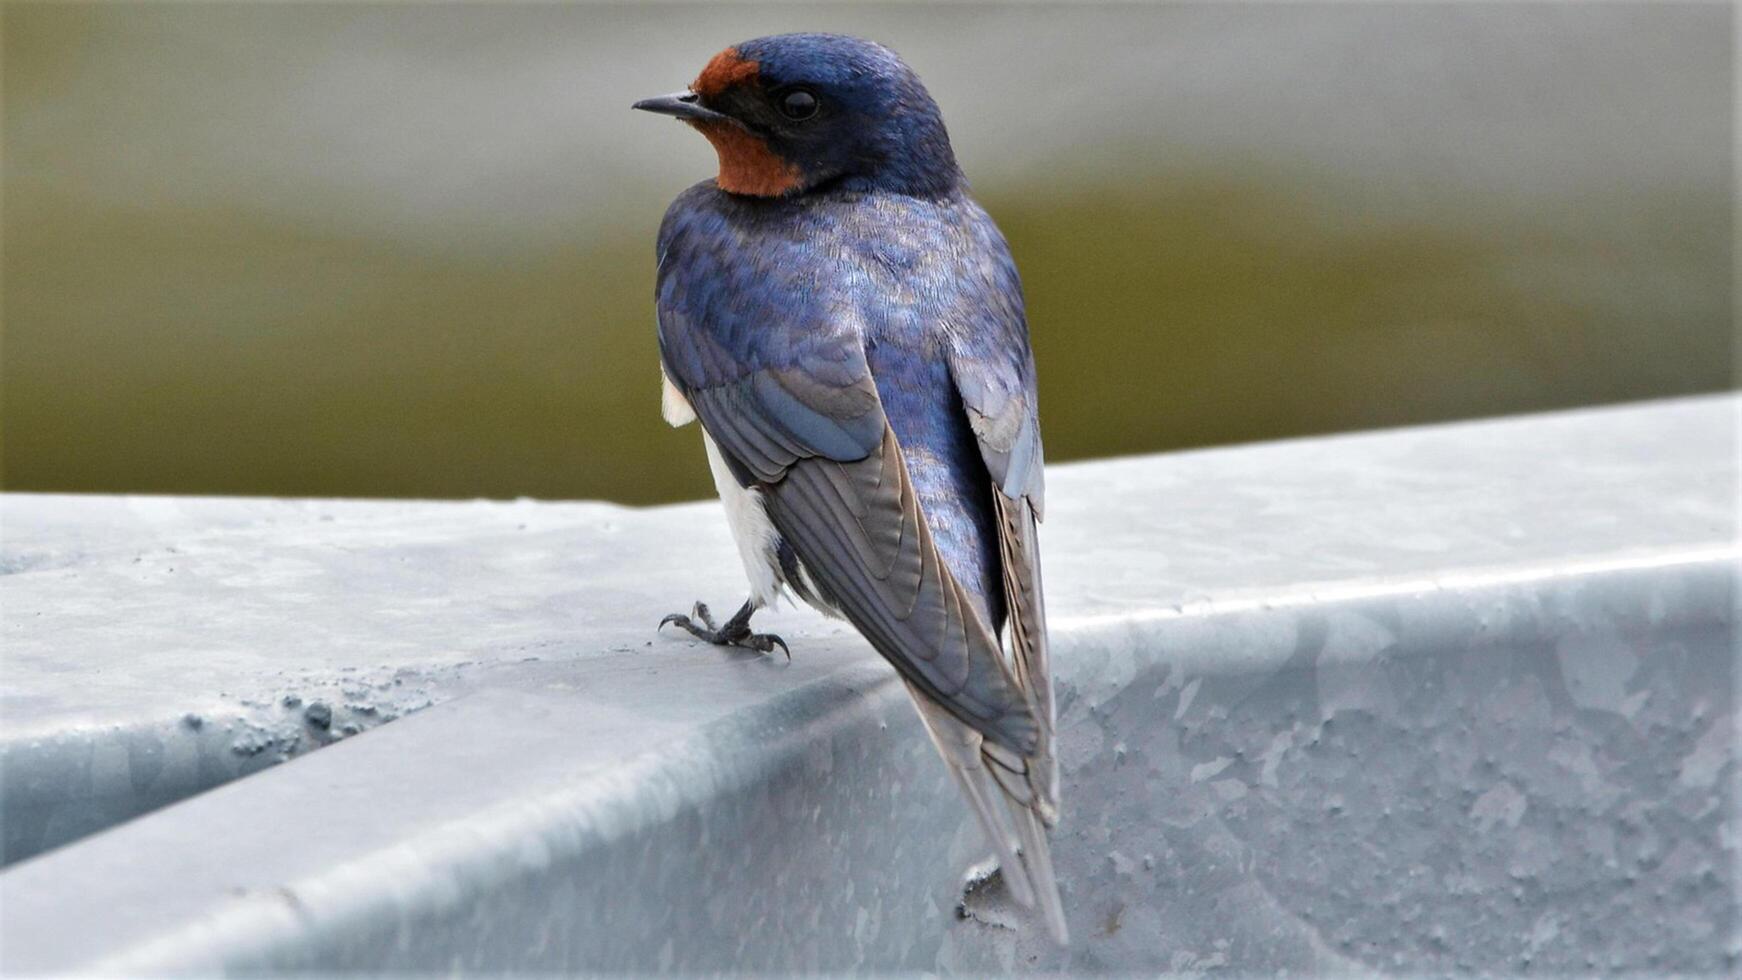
(1457, 697)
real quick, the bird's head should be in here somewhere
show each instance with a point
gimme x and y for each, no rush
(792, 112)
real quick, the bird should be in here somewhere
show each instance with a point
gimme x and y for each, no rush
(847, 325)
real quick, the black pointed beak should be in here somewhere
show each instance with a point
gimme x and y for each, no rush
(683, 105)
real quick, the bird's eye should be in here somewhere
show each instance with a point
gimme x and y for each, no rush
(798, 104)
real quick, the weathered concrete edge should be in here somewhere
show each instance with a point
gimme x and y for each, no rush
(386, 893)
(196, 750)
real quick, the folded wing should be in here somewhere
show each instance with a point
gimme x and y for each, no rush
(803, 424)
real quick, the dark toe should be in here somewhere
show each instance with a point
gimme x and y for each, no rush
(700, 611)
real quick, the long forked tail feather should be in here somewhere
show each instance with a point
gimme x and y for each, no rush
(1037, 861)
(985, 775)
(981, 793)
(1029, 809)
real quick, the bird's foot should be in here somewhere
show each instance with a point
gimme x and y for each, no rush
(735, 633)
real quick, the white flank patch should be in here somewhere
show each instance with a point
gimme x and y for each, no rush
(748, 518)
(673, 405)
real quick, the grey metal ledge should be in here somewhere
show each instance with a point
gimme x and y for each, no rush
(1456, 697)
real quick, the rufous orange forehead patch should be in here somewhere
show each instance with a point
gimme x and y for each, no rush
(726, 69)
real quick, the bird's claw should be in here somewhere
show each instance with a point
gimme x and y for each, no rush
(734, 634)
(764, 643)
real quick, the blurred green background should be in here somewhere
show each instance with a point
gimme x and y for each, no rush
(395, 250)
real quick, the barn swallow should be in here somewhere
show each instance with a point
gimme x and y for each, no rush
(847, 325)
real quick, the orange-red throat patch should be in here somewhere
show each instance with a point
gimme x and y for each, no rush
(724, 70)
(747, 165)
